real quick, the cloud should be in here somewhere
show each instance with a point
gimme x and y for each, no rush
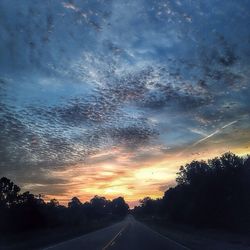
(80, 86)
(70, 6)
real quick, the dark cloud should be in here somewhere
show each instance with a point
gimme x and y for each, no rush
(76, 79)
(132, 136)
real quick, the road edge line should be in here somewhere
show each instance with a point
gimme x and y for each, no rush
(165, 237)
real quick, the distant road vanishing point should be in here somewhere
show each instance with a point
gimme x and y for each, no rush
(129, 234)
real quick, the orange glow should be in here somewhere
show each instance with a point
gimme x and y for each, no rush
(123, 177)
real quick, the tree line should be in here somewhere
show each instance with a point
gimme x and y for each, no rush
(213, 193)
(20, 212)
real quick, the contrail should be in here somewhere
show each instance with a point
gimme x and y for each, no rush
(215, 132)
(229, 124)
(208, 136)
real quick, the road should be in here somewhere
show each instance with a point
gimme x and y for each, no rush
(129, 234)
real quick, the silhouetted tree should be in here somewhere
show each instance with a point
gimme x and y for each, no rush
(100, 206)
(215, 193)
(74, 203)
(53, 203)
(8, 192)
(119, 207)
(25, 211)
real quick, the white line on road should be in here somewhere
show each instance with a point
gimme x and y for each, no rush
(165, 237)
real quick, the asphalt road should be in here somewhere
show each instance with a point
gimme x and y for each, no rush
(129, 234)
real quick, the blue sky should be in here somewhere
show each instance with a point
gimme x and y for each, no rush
(120, 84)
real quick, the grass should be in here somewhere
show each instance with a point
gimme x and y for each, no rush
(197, 239)
(45, 237)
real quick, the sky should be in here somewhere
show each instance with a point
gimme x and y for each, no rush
(111, 97)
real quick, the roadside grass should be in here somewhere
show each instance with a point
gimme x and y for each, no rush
(42, 238)
(197, 238)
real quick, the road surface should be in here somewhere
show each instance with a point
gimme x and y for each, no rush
(129, 234)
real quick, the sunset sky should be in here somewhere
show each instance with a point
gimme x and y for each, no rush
(111, 97)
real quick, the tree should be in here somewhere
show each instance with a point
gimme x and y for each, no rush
(119, 207)
(9, 192)
(53, 203)
(74, 203)
(99, 206)
(20, 212)
(193, 173)
(215, 193)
